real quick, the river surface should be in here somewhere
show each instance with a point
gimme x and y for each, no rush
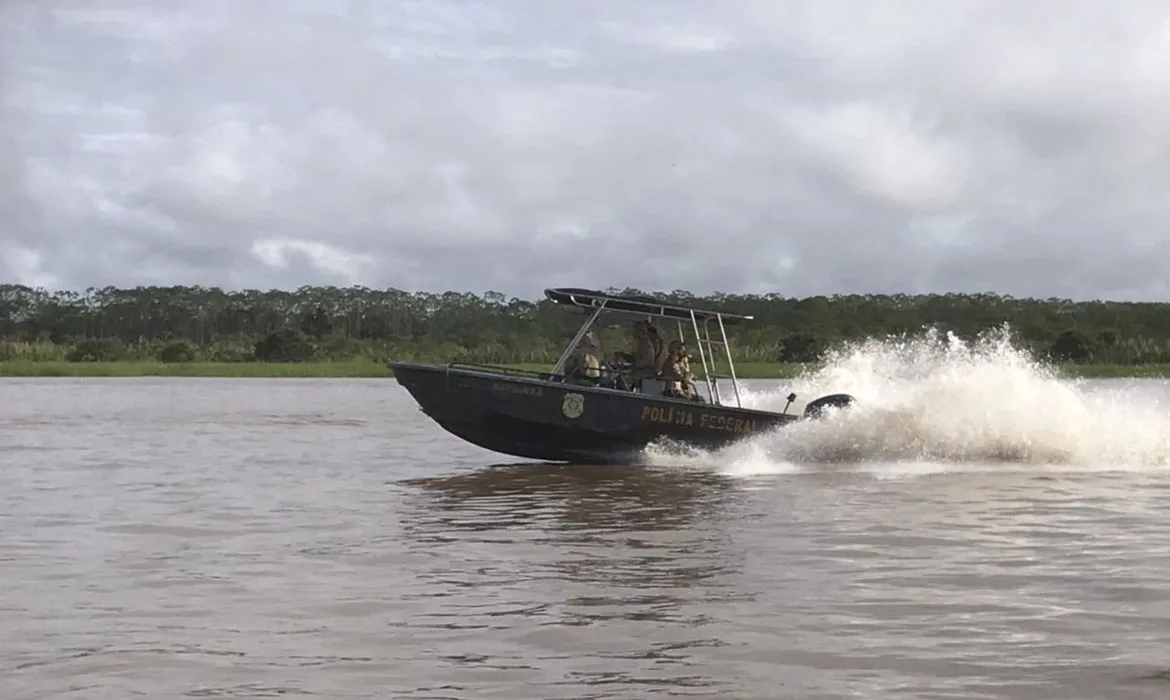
(244, 538)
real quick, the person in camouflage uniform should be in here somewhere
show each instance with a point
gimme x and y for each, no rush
(589, 367)
(676, 371)
(643, 355)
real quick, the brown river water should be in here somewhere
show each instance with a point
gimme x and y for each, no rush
(247, 538)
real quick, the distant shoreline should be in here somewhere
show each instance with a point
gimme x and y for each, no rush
(369, 369)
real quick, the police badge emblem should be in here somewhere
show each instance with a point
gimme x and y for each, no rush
(573, 405)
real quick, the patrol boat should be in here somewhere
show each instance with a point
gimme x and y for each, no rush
(561, 416)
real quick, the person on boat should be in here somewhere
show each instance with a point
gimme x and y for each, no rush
(646, 359)
(642, 359)
(676, 371)
(658, 342)
(645, 350)
(589, 365)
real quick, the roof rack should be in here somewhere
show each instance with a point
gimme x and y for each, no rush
(592, 299)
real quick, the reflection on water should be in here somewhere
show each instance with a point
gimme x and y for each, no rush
(625, 526)
(570, 497)
(645, 553)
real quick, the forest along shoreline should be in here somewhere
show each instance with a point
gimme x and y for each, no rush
(347, 332)
(370, 369)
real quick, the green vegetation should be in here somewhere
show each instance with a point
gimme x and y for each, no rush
(327, 331)
(354, 369)
(366, 369)
(62, 368)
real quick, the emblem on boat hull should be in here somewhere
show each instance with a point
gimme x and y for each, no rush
(573, 405)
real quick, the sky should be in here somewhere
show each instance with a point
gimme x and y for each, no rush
(743, 146)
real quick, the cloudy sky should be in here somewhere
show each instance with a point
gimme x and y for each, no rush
(802, 147)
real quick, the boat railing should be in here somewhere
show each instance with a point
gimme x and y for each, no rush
(700, 321)
(512, 371)
(709, 351)
(559, 368)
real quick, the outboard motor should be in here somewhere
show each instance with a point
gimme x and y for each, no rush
(816, 407)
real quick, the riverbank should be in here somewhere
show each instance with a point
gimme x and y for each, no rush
(367, 369)
(355, 369)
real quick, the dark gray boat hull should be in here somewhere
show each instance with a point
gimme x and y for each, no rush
(540, 417)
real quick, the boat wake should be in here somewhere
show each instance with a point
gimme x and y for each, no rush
(934, 399)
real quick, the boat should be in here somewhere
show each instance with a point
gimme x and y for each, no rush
(609, 415)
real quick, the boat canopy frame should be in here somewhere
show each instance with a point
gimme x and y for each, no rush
(597, 302)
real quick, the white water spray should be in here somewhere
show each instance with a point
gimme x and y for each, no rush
(934, 398)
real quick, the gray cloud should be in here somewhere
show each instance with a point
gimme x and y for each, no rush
(800, 146)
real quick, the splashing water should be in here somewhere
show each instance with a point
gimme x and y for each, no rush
(935, 398)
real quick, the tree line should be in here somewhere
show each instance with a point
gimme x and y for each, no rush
(180, 324)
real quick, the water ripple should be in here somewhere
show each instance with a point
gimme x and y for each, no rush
(205, 538)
